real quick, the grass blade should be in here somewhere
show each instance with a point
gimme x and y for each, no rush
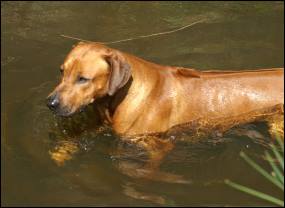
(262, 171)
(278, 156)
(255, 193)
(280, 142)
(276, 170)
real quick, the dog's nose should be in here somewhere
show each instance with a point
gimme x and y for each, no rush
(53, 102)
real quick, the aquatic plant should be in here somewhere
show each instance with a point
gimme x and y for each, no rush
(276, 176)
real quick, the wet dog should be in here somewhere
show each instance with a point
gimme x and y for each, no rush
(138, 97)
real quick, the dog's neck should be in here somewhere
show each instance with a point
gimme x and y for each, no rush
(119, 96)
(107, 105)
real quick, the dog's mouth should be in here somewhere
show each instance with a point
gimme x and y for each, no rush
(66, 112)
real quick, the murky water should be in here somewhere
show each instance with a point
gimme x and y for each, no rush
(232, 36)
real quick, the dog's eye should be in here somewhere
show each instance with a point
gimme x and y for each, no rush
(82, 80)
(61, 71)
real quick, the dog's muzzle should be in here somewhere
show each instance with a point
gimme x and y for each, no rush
(53, 102)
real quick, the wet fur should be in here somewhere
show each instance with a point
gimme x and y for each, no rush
(140, 99)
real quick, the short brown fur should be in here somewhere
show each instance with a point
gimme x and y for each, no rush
(159, 98)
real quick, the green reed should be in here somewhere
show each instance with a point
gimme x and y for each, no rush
(276, 161)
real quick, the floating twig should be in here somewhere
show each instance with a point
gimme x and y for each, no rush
(74, 38)
(139, 37)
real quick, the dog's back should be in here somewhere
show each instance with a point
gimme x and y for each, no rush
(216, 93)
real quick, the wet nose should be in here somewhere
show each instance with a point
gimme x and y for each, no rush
(53, 102)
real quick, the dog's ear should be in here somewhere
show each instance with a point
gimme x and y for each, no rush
(120, 71)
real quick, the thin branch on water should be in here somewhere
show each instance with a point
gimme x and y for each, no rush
(74, 38)
(139, 37)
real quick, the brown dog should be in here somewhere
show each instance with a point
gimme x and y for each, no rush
(143, 97)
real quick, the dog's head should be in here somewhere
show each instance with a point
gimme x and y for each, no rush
(89, 71)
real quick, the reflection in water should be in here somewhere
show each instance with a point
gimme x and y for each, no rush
(72, 134)
(130, 191)
(140, 156)
(64, 150)
(130, 155)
